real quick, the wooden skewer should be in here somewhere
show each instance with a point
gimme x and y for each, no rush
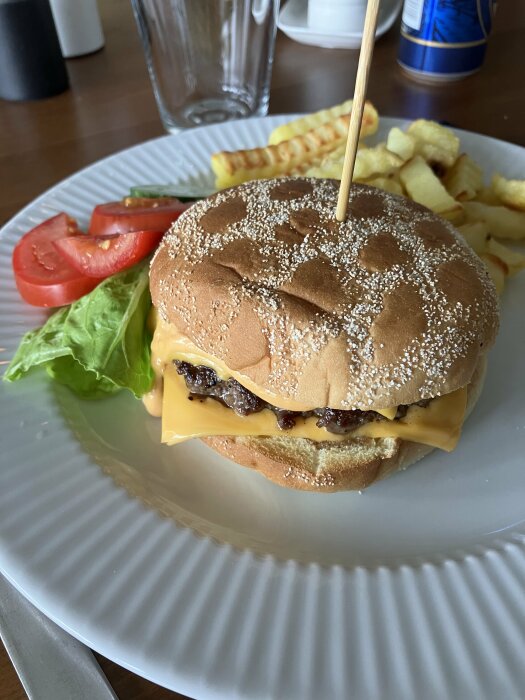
(356, 116)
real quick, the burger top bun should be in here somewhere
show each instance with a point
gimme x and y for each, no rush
(389, 307)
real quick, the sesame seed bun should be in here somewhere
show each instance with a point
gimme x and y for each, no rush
(389, 307)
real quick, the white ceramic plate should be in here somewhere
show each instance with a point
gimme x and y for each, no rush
(293, 21)
(412, 590)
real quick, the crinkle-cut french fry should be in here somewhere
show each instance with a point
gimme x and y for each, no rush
(308, 122)
(303, 169)
(424, 187)
(233, 167)
(487, 196)
(377, 160)
(502, 222)
(332, 161)
(464, 179)
(368, 162)
(434, 142)
(497, 270)
(332, 170)
(401, 143)
(476, 234)
(513, 260)
(313, 121)
(510, 192)
(388, 184)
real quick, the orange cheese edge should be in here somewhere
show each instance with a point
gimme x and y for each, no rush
(438, 425)
(168, 345)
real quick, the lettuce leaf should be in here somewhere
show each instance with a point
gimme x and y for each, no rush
(98, 345)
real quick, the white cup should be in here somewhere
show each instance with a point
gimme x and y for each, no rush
(345, 16)
(336, 15)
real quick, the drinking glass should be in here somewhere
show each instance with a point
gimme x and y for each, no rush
(208, 60)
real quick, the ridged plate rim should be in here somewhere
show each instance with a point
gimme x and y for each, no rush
(304, 630)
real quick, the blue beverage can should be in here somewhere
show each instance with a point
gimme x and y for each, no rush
(444, 40)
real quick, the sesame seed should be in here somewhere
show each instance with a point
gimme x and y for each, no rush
(452, 328)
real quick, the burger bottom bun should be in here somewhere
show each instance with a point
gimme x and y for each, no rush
(306, 465)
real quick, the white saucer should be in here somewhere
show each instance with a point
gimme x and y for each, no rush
(293, 22)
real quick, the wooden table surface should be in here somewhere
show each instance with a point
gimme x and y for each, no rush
(110, 106)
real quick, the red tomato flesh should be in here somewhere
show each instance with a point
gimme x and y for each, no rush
(42, 276)
(101, 256)
(135, 214)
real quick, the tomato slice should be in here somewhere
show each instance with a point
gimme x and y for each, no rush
(101, 256)
(42, 276)
(135, 214)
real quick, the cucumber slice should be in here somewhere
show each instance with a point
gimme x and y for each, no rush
(181, 192)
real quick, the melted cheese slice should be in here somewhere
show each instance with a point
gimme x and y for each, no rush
(438, 425)
(168, 345)
(389, 413)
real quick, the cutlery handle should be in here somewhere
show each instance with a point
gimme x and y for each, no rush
(50, 662)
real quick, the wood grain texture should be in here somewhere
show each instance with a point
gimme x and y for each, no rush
(110, 106)
(10, 686)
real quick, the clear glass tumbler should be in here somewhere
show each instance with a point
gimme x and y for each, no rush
(208, 60)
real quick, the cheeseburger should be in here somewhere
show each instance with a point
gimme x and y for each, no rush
(325, 355)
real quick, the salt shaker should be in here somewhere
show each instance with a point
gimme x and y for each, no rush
(78, 26)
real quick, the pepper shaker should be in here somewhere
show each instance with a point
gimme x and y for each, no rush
(31, 63)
